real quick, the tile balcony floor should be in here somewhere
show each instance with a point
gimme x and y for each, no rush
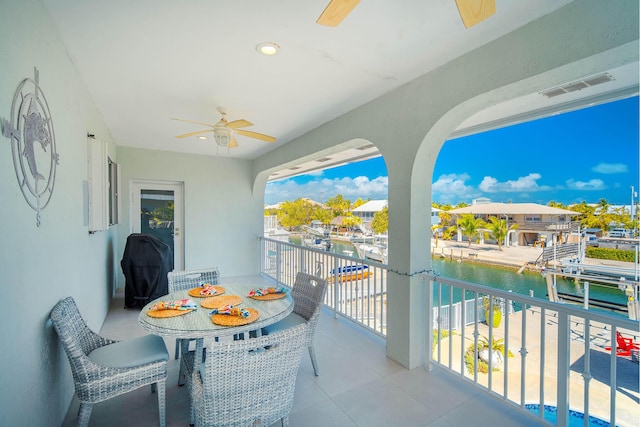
(357, 386)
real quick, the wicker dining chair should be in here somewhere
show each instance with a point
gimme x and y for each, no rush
(249, 382)
(182, 281)
(103, 368)
(307, 293)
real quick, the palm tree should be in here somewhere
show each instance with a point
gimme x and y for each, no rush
(470, 226)
(555, 204)
(498, 229)
(604, 206)
(339, 204)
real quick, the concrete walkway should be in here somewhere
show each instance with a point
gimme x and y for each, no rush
(512, 256)
(535, 358)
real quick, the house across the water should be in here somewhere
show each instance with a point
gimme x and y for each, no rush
(537, 224)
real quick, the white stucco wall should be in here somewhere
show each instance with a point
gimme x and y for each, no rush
(60, 258)
(41, 265)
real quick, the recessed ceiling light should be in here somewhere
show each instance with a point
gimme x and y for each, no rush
(268, 48)
(203, 137)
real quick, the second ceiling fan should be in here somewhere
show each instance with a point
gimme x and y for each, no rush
(471, 11)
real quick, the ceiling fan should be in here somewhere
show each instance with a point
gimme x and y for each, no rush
(224, 131)
(471, 11)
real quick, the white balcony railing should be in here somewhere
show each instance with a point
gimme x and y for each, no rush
(357, 289)
(556, 358)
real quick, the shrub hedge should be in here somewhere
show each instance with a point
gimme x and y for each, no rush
(610, 253)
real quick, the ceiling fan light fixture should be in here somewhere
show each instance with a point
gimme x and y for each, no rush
(268, 48)
(222, 136)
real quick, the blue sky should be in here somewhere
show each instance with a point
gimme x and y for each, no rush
(584, 155)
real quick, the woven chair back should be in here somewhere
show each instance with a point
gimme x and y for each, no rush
(76, 337)
(308, 293)
(251, 382)
(189, 279)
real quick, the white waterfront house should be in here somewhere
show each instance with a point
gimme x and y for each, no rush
(367, 211)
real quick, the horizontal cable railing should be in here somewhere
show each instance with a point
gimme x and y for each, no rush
(551, 357)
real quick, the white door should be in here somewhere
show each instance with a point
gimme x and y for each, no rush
(157, 208)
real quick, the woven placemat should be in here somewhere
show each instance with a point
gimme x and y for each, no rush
(228, 320)
(221, 301)
(195, 292)
(269, 297)
(166, 313)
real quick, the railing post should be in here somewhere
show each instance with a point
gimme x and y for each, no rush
(586, 296)
(463, 327)
(613, 368)
(507, 303)
(336, 291)
(278, 262)
(430, 308)
(301, 263)
(523, 355)
(586, 374)
(563, 369)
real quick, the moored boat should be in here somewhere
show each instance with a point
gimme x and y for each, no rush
(349, 273)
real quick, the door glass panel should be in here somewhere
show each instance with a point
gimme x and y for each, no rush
(156, 214)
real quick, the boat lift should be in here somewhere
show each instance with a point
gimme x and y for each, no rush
(627, 280)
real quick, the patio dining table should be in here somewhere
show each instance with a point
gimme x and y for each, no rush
(198, 324)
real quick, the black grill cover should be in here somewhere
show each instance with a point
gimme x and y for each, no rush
(145, 264)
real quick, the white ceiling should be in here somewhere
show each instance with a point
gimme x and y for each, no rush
(147, 61)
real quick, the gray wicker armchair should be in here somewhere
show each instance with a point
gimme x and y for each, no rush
(182, 281)
(249, 382)
(307, 293)
(103, 368)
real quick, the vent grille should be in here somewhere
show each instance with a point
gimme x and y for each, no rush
(578, 85)
(324, 159)
(294, 168)
(366, 147)
(600, 78)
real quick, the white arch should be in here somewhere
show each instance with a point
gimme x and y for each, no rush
(410, 124)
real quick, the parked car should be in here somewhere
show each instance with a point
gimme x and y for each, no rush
(619, 232)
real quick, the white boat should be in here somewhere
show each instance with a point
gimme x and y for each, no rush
(376, 251)
(315, 242)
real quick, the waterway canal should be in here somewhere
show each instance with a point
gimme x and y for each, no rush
(507, 278)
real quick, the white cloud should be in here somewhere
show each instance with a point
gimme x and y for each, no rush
(610, 168)
(527, 183)
(322, 189)
(591, 185)
(451, 188)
